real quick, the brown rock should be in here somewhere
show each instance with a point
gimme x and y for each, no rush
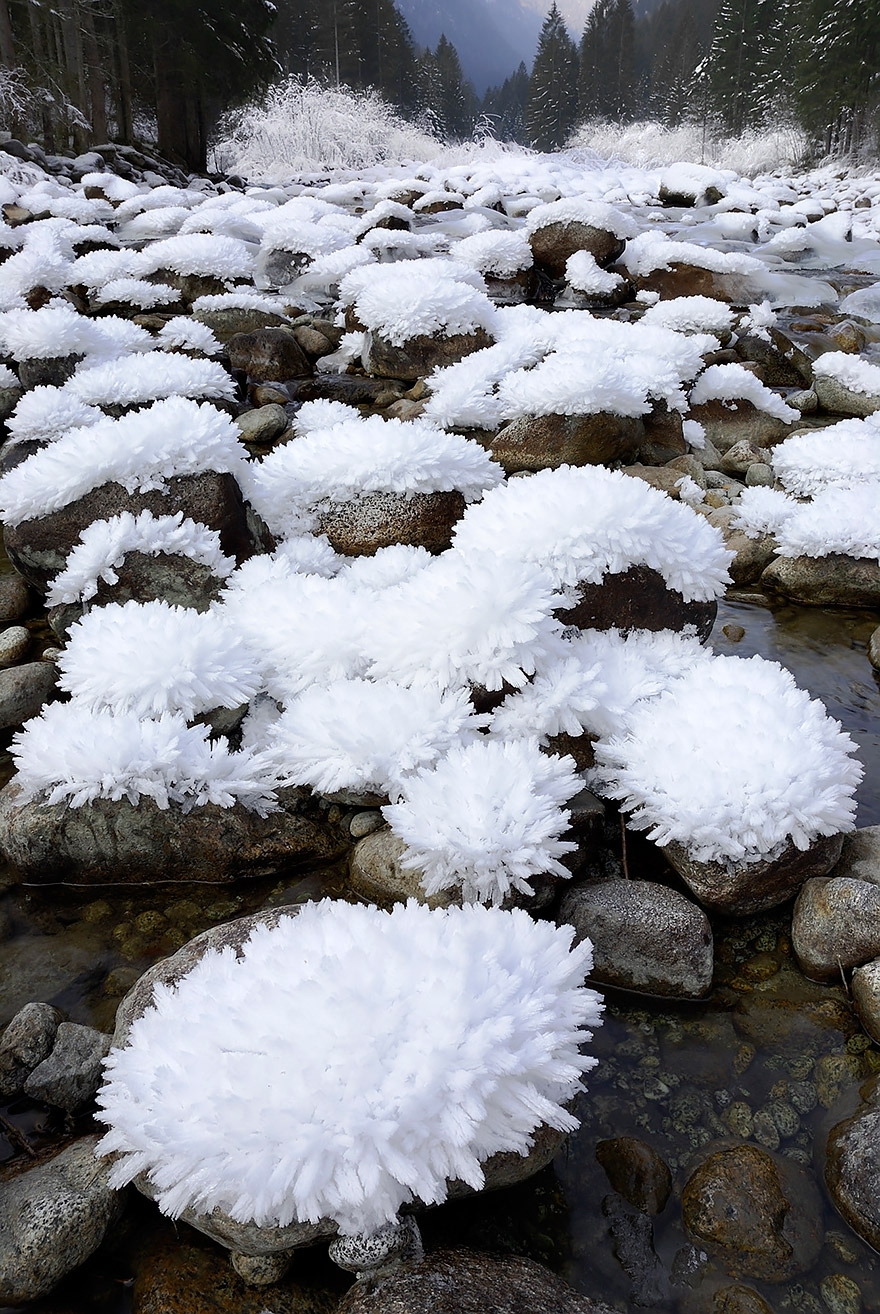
(545, 442)
(376, 520)
(760, 1215)
(232, 320)
(860, 857)
(739, 1300)
(419, 355)
(39, 548)
(113, 842)
(637, 599)
(727, 423)
(553, 244)
(637, 1172)
(835, 397)
(866, 997)
(682, 280)
(832, 581)
(783, 365)
(664, 436)
(184, 1275)
(467, 1282)
(268, 355)
(835, 926)
(756, 886)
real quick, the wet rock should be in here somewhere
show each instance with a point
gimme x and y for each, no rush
(637, 1172)
(263, 424)
(375, 872)
(271, 354)
(116, 842)
(545, 442)
(39, 548)
(14, 598)
(553, 244)
(637, 599)
(783, 364)
(840, 1295)
(684, 280)
(229, 321)
(835, 580)
(866, 997)
(363, 525)
(633, 1237)
(23, 691)
(52, 1218)
(728, 423)
(62, 962)
(312, 341)
(646, 937)
(467, 1282)
(182, 1275)
(27, 1040)
(834, 396)
(860, 856)
(852, 1168)
(419, 355)
(738, 1300)
(755, 886)
(759, 1214)
(14, 644)
(69, 1077)
(351, 389)
(835, 926)
(874, 649)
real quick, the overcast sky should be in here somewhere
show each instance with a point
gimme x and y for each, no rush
(573, 11)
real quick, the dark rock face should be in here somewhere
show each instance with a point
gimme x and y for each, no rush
(554, 243)
(419, 355)
(756, 886)
(376, 520)
(761, 1215)
(633, 1236)
(117, 842)
(638, 599)
(467, 1282)
(39, 548)
(545, 442)
(833, 581)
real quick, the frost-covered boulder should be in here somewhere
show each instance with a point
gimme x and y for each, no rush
(657, 263)
(847, 384)
(558, 230)
(320, 1165)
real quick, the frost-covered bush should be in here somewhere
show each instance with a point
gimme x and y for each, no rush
(141, 451)
(733, 762)
(74, 754)
(353, 457)
(837, 519)
(486, 819)
(151, 657)
(583, 523)
(104, 544)
(368, 736)
(366, 1088)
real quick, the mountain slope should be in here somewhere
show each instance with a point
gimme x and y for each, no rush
(491, 36)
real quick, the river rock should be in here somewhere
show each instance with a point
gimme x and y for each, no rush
(836, 397)
(852, 1167)
(752, 556)
(835, 926)
(835, 580)
(737, 459)
(783, 364)
(69, 1077)
(874, 649)
(375, 872)
(419, 355)
(660, 477)
(467, 1282)
(755, 886)
(646, 937)
(117, 842)
(15, 598)
(147, 577)
(637, 599)
(738, 1300)
(26, 1041)
(637, 1172)
(664, 438)
(545, 442)
(263, 424)
(229, 321)
(728, 423)
(632, 1234)
(39, 548)
(9, 399)
(51, 371)
(14, 643)
(553, 245)
(271, 354)
(760, 1214)
(860, 856)
(363, 525)
(23, 691)
(683, 280)
(52, 1218)
(865, 987)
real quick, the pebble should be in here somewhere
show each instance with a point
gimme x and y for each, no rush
(733, 632)
(14, 643)
(637, 1172)
(364, 823)
(14, 598)
(840, 1295)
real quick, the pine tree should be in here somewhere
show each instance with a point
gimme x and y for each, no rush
(505, 106)
(838, 78)
(445, 97)
(606, 72)
(551, 108)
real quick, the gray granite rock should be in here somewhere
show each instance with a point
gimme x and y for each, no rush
(26, 1041)
(69, 1077)
(860, 855)
(14, 598)
(835, 926)
(743, 889)
(646, 937)
(852, 1167)
(263, 424)
(14, 643)
(836, 397)
(52, 1218)
(835, 580)
(865, 986)
(375, 872)
(23, 691)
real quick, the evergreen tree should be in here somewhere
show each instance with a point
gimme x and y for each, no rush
(445, 97)
(606, 72)
(673, 45)
(838, 78)
(551, 108)
(505, 106)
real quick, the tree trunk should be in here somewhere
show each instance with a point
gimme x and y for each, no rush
(95, 78)
(7, 43)
(119, 39)
(179, 112)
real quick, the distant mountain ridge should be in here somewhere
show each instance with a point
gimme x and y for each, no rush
(492, 37)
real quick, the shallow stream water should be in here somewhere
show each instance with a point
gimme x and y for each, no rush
(769, 1058)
